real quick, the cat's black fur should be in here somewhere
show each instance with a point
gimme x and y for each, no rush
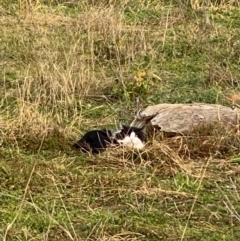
(97, 141)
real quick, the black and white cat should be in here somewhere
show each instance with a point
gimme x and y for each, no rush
(97, 141)
(130, 136)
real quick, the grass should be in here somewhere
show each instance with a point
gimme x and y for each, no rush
(71, 66)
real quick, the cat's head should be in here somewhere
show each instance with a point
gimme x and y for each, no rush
(130, 136)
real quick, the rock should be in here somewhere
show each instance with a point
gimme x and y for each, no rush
(184, 118)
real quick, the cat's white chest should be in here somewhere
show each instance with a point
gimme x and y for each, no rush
(132, 141)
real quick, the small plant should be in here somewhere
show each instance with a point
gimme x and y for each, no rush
(138, 86)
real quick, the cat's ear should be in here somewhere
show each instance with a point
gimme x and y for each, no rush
(122, 127)
(139, 129)
(142, 128)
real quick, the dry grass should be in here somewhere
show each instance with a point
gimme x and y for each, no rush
(71, 66)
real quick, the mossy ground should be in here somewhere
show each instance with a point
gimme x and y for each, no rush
(72, 66)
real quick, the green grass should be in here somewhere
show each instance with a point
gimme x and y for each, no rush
(71, 66)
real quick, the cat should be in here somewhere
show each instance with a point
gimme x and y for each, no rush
(132, 141)
(131, 137)
(96, 141)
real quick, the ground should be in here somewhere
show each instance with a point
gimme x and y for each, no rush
(72, 66)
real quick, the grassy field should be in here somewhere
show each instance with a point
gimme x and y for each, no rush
(72, 66)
